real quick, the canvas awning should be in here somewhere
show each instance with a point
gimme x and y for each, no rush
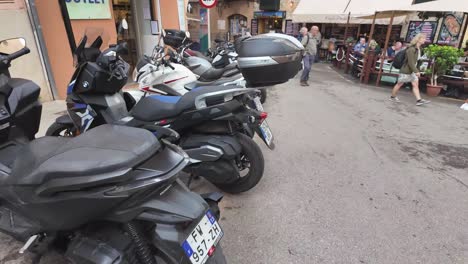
(336, 11)
(432, 6)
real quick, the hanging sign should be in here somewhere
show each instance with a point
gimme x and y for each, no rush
(88, 9)
(208, 3)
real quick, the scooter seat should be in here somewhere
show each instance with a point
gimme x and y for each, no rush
(212, 74)
(221, 81)
(158, 107)
(98, 152)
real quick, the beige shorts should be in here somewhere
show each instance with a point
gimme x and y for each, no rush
(407, 78)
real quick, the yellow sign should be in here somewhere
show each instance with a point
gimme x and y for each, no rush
(88, 9)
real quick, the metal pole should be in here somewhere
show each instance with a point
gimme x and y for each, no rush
(68, 26)
(383, 55)
(365, 72)
(347, 26)
(35, 23)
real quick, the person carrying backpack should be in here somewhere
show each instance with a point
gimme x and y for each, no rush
(309, 41)
(407, 62)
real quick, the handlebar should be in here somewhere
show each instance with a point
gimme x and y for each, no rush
(18, 54)
(168, 64)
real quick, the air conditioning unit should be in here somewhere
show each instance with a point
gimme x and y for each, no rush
(270, 5)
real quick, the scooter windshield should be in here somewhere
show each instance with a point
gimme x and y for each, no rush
(89, 48)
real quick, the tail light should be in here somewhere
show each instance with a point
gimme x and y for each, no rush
(263, 116)
(211, 251)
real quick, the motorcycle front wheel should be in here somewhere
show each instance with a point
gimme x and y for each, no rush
(61, 130)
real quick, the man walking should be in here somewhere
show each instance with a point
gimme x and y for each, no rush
(309, 41)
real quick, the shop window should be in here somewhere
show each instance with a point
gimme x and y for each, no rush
(236, 24)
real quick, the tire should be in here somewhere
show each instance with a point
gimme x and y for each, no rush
(56, 129)
(252, 152)
(263, 95)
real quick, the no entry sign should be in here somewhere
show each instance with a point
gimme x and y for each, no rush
(208, 3)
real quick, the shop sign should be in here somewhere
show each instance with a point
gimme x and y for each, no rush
(88, 9)
(208, 3)
(270, 14)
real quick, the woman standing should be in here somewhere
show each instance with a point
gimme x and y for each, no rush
(410, 72)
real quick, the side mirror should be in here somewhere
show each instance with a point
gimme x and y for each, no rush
(163, 33)
(122, 48)
(124, 24)
(10, 46)
(187, 34)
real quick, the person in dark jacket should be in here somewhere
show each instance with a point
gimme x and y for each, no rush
(410, 72)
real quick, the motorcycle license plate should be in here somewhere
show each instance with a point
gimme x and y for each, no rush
(266, 133)
(258, 104)
(201, 242)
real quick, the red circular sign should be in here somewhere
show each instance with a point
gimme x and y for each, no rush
(208, 3)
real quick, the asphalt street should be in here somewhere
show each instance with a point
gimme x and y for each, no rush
(354, 178)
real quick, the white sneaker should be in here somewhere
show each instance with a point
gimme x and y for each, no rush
(422, 102)
(394, 99)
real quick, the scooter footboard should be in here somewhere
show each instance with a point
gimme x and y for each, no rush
(16, 225)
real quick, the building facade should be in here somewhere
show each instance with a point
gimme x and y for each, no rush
(40, 22)
(15, 18)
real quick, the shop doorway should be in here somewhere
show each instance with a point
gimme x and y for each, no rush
(123, 14)
(270, 25)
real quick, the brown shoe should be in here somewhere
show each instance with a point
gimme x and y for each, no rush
(304, 84)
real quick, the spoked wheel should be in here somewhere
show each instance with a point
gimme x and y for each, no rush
(250, 164)
(61, 130)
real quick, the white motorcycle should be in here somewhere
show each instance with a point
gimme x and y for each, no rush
(156, 74)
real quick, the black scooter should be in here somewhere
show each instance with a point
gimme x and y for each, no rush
(110, 195)
(216, 124)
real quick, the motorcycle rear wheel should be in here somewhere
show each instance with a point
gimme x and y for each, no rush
(263, 95)
(251, 158)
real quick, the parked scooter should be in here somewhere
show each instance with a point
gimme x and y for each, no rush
(216, 123)
(171, 79)
(179, 79)
(110, 195)
(222, 56)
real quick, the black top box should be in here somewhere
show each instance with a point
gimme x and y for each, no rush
(174, 38)
(269, 59)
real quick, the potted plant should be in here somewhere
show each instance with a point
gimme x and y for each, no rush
(442, 58)
(350, 41)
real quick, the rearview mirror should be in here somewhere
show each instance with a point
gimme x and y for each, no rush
(10, 46)
(187, 34)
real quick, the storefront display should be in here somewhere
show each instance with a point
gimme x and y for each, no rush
(428, 27)
(450, 32)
